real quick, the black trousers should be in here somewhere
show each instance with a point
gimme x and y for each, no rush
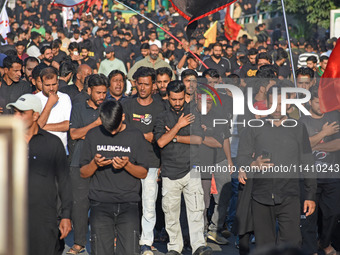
(43, 238)
(108, 221)
(327, 212)
(81, 205)
(287, 214)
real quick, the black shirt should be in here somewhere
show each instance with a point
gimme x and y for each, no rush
(82, 115)
(81, 97)
(48, 164)
(107, 184)
(248, 70)
(90, 62)
(71, 90)
(289, 146)
(10, 94)
(143, 118)
(323, 158)
(178, 158)
(222, 67)
(209, 156)
(60, 57)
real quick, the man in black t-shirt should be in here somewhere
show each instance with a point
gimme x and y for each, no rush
(113, 155)
(141, 113)
(84, 117)
(91, 62)
(322, 129)
(216, 61)
(178, 133)
(250, 68)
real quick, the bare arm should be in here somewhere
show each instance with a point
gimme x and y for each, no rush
(182, 62)
(135, 170)
(89, 169)
(52, 100)
(168, 136)
(211, 142)
(328, 147)
(189, 139)
(149, 137)
(79, 133)
(58, 127)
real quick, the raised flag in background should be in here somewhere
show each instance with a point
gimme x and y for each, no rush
(329, 87)
(231, 28)
(210, 35)
(193, 10)
(4, 23)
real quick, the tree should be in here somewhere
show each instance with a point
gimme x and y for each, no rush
(313, 11)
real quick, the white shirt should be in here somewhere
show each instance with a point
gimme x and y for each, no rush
(60, 112)
(33, 51)
(157, 42)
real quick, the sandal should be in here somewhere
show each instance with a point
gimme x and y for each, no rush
(74, 250)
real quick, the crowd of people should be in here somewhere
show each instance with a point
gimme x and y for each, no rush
(121, 129)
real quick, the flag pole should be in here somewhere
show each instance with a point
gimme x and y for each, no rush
(289, 47)
(154, 23)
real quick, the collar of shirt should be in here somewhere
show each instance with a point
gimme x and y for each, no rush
(109, 96)
(149, 59)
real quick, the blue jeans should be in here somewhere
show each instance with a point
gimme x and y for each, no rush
(110, 220)
(149, 197)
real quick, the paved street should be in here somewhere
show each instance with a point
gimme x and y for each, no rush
(219, 249)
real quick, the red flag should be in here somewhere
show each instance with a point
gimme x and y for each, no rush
(231, 28)
(329, 87)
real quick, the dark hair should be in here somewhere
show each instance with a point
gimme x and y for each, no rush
(323, 58)
(72, 46)
(281, 54)
(164, 70)
(252, 52)
(313, 59)
(20, 43)
(36, 71)
(145, 72)
(305, 71)
(314, 92)
(66, 68)
(267, 71)
(97, 80)
(264, 55)
(216, 44)
(48, 73)
(233, 79)
(10, 60)
(175, 86)
(111, 115)
(187, 73)
(213, 73)
(34, 35)
(44, 48)
(235, 43)
(30, 59)
(56, 44)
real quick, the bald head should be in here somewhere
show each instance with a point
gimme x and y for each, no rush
(82, 72)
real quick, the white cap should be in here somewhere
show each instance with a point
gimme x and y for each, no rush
(27, 102)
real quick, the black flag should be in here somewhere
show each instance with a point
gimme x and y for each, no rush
(193, 10)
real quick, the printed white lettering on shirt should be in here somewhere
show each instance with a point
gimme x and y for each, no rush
(113, 148)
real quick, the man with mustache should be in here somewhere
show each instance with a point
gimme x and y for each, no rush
(84, 116)
(163, 77)
(216, 61)
(141, 113)
(47, 60)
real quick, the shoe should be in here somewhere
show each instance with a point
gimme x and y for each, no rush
(253, 241)
(146, 250)
(203, 250)
(172, 252)
(226, 233)
(217, 238)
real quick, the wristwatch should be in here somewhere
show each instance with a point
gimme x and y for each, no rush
(174, 140)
